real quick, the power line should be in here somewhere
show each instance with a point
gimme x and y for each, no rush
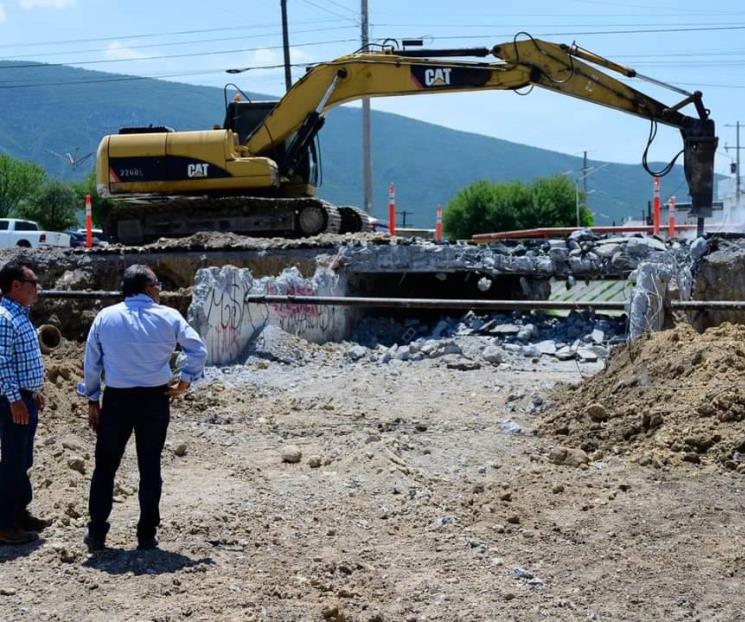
(136, 78)
(602, 32)
(329, 11)
(646, 24)
(173, 43)
(154, 34)
(344, 8)
(164, 56)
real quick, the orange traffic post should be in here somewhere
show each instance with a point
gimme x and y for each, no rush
(392, 209)
(438, 225)
(88, 222)
(671, 218)
(656, 207)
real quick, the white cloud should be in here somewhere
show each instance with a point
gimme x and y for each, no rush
(3, 16)
(117, 51)
(270, 57)
(47, 4)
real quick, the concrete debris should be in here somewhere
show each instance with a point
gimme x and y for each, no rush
(77, 464)
(291, 454)
(493, 355)
(568, 456)
(585, 255)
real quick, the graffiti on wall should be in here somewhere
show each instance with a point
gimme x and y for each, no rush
(229, 325)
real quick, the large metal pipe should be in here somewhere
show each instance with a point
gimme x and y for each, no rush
(429, 303)
(49, 337)
(93, 294)
(487, 305)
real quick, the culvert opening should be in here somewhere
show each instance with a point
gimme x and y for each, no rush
(461, 285)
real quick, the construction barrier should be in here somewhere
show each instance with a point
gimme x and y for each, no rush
(656, 207)
(392, 209)
(88, 222)
(671, 217)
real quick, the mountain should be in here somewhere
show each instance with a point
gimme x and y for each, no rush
(50, 111)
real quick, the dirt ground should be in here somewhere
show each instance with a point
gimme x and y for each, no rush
(424, 492)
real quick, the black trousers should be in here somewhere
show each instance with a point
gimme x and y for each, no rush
(145, 411)
(16, 458)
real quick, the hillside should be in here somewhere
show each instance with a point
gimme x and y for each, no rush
(49, 111)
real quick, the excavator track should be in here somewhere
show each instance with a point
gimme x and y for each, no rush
(353, 220)
(146, 218)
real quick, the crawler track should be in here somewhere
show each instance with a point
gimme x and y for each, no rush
(145, 219)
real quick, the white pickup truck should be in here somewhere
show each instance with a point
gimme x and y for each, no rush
(26, 234)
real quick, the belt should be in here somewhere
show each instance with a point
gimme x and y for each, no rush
(159, 390)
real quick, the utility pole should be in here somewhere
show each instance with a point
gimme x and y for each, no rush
(366, 136)
(584, 174)
(737, 162)
(286, 45)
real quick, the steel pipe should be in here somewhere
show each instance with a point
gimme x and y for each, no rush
(493, 305)
(430, 303)
(92, 294)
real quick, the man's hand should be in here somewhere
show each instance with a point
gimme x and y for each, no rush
(178, 389)
(39, 401)
(94, 414)
(19, 412)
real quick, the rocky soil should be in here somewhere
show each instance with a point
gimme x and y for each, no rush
(669, 397)
(337, 483)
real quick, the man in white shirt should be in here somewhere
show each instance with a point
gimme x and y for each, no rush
(130, 346)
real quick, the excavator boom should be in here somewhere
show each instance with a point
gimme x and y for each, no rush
(560, 68)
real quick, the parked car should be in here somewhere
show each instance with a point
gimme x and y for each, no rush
(26, 233)
(77, 237)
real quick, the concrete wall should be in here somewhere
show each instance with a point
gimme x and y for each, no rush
(229, 325)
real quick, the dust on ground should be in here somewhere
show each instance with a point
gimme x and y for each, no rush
(423, 491)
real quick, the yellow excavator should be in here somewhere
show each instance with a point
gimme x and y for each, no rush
(257, 174)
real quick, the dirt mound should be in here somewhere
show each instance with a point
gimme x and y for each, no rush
(670, 397)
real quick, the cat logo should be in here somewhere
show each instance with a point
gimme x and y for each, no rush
(439, 76)
(197, 170)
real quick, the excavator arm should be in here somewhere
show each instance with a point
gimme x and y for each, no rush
(568, 70)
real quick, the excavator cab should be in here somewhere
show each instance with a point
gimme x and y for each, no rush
(243, 117)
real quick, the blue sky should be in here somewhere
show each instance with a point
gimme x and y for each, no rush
(688, 43)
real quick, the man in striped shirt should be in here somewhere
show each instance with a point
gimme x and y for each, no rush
(21, 381)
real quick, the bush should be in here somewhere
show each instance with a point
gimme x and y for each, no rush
(486, 207)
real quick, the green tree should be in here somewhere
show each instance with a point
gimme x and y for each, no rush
(20, 183)
(100, 207)
(54, 208)
(485, 207)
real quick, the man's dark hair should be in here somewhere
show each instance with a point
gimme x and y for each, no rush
(12, 271)
(136, 280)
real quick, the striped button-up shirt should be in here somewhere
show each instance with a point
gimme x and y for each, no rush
(21, 363)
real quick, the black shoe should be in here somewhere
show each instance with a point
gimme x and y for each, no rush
(147, 544)
(93, 543)
(28, 522)
(15, 536)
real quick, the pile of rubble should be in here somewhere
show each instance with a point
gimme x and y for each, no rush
(668, 398)
(583, 254)
(466, 342)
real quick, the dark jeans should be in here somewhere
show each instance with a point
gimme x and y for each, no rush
(147, 412)
(16, 458)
